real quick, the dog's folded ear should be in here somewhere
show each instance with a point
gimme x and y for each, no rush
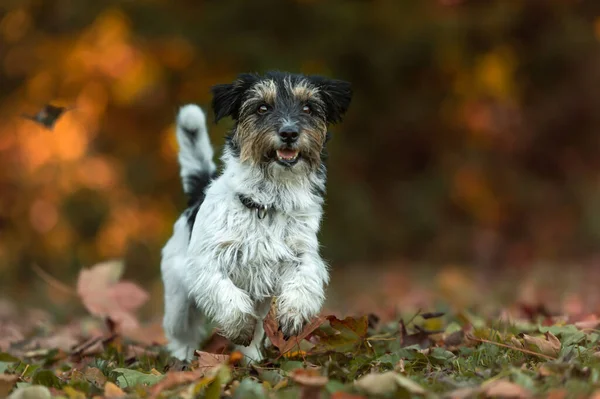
(337, 95)
(227, 98)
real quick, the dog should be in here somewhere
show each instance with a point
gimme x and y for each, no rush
(249, 233)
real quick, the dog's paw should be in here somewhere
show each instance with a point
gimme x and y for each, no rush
(240, 331)
(291, 323)
(244, 337)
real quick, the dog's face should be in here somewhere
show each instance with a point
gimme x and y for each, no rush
(281, 119)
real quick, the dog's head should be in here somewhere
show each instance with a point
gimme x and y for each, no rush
(281, 118)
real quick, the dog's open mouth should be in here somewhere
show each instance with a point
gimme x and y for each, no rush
(287, 156)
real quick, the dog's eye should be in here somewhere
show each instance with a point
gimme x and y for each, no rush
(306, 109)
(263, 109)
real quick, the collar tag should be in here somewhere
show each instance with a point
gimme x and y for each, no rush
(261, 211)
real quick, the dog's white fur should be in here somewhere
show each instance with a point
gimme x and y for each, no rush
(234, 263)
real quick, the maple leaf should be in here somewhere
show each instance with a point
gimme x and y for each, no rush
(104, 296)
(271, 327)
(349, 334)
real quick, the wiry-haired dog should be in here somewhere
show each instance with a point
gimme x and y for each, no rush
(250, 234)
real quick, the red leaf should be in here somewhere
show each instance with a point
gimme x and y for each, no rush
(128, 296)
(271, 327)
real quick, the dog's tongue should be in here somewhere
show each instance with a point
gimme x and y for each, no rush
(286, 153)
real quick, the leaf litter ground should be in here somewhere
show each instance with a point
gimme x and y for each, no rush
(523, 351)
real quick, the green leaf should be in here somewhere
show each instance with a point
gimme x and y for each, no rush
(46, 378)
(7, 358)
(130, 378)
(349, 334)
(441, 354)
(290, 365)
(249, 389)
(333, 386)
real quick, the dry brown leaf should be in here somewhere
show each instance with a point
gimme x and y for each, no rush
(463, 393)
(309, 378)
(591, 323)
(505, 389)
(310, 382)
(272, 331)
(208, 361)
(386, 383)
(7, 382)
(346, 395)
(543, 346)
(111, 391)
(95, 376)
(595, 395)
(174, 378)
(557, 394)
(554, 342)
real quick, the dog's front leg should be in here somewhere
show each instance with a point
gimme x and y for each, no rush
(302, 293)
(230, 307)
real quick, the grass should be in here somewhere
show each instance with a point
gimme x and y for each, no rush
(467, 355)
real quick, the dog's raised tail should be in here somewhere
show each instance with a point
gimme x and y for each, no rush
(195, 152)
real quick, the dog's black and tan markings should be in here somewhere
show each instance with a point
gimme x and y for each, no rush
(250, 233)
(293, 102)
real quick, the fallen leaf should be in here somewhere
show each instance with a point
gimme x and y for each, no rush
(350, 333)
(32, 392)
(549, 346)
(558, 394)
(95, 376)
(111, 391)
(175, 378)
(208, 361)
(463, 393)
(130, 378)
(504, 389)
(72, 393)
(387, 383)
(272, 331)
(310, 382)
(307, 377)
(7, 382)
(421, 337)
(346, 395)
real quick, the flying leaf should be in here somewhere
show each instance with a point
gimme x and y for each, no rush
(103, 295)
(48, 115)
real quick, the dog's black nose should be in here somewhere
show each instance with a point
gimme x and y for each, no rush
(288, 134)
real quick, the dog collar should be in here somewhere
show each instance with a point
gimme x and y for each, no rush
(261, 210)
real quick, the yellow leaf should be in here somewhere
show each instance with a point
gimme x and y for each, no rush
(111, 391)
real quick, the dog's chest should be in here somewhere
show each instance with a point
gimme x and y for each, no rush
(260, 249)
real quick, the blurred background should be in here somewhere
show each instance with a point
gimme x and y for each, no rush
(471, 146)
